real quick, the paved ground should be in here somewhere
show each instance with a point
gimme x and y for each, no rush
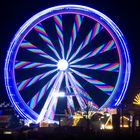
(67, 133)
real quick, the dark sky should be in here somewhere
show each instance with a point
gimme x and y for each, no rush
(125, 13)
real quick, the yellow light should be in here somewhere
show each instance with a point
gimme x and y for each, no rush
(137, 99)
(109, 127)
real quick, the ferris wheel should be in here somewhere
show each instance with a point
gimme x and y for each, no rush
(63, 58)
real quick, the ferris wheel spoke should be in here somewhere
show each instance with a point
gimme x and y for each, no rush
(75, 30)
(43, 34)
(39, 95)
(78, 96)
(50, 112)
(48, 73)
(54, 90)
(94, 31)
(81, 58)
(114, 67)
(80, 88)
(59, 29)
(28, 82)
(30, 47)
(103, 48)
(70, 103)
(100, 85)
(82, 92)
(28, 65)
(67, 83)
(53, 102)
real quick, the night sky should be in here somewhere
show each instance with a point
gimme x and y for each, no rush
(125, 13)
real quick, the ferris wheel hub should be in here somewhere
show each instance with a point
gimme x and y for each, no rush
(62, 64)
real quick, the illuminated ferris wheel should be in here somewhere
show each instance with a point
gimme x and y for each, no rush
(68, 51)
